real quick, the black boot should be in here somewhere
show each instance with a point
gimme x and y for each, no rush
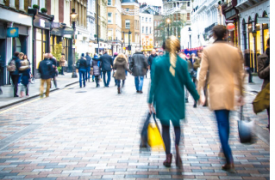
(178, 158)
(168, 160)
(118, 90)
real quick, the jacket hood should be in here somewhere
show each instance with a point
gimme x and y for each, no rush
(120, 59)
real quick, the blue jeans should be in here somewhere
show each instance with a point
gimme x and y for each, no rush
(82, 74)
(222, 117)
(88, 73)
(106, 83)
(139, 82)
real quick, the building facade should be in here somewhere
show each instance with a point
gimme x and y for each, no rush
(14, 15)
(254, 24)
(114, 26)
(158, 39)
(91, 24)
(146, 31)
(130, 25)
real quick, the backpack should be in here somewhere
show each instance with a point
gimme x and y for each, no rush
(12, 66)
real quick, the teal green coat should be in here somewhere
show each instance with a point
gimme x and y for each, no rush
(167, 91)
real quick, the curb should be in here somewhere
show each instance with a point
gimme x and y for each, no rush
(34, 96)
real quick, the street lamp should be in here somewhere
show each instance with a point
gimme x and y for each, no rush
(168, 22)
(71, 53)
(190, 32)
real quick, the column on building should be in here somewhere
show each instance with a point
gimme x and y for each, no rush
(21, 5)
(12, 3)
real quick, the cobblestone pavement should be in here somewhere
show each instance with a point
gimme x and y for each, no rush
(93, 133)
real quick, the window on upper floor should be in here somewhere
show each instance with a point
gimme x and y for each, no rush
(146, 19)
(150, 32)
(149, 19)
(110, 18)
(109, 2)
(142, 30)
(142, 19)
(127, 9)
(110, 34)
(127, 24)
(146, 30)
(188, 16)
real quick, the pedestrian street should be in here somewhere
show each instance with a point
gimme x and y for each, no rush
(94, 133)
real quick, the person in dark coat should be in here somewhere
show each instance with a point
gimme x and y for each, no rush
(53, 73)
(82, 68)
(151, 59)
(121, 65)
(15, 74)
(96, 69)
(115, 55)
(106, 66)
(88, 59)
(139, 67)
(264, 72)
(45, 69)
(25, 71)
(247, 65)
(169, 77)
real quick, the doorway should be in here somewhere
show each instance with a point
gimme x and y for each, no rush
(2, 61)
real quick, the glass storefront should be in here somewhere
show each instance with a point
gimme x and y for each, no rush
(265, 35)
(41, 44)
(251, 47)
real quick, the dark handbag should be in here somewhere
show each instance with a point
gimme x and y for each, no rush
(193, 73)
(246, 129)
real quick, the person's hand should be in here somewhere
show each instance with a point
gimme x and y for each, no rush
(202, 100)
(151, 109)
(240, 101)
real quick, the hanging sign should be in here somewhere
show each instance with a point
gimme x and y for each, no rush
(12, 32)
(263, 20)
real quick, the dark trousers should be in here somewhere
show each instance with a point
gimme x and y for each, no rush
(26, 87)
(249, 75)
(106, 82)
(15, 79)
(166, 137)
(88, 73)
(97, 80)
(82, 74)
(62, 70)
(222, 117)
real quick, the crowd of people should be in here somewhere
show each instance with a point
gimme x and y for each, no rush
(210, 78)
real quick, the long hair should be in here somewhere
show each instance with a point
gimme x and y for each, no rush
(172, 45)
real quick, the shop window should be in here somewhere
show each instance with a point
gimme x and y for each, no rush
(41, 43)
(265, 35)
(18, 45)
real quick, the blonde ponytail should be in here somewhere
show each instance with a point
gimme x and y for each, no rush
(172, 45)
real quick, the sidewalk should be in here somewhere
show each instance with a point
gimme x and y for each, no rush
(7, 98)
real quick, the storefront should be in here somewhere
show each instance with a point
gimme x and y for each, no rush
(22, 24)
(41, 36)
(231, 16)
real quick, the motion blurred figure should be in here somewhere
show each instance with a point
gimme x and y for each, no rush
(82, 68)
(264, 72)
(247, 65)
(45, 69)
(96, 69)
(88, 59)
(167, 94)
(53, 73)
(139, 67)
(151, 59)
(15, 74)
(25, 70)
(224, 63)
(106, 65)
(120, 65)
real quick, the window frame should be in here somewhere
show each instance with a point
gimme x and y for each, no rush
(111, 17)
(126, 20)
(108, 3)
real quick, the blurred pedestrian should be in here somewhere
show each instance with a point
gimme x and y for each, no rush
(151, 59)
(106, 66)
(224, 63)
(54, 71)
(247, 65)
(25, 71)
(15, 74)
(82, 68)
(21, 56)
(138, 67)
(189, 65)
(115, 55)
(62, 63)
(167, 94)
(195, 62)
(45, 69)
(88, 59)
(264, 72)
(120, 65)
(96, 69)
(160, 52)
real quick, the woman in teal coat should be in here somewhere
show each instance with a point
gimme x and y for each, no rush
(169, 76)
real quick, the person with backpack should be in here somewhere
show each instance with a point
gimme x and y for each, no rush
(96, 69)
(25, 75)
(45, 69)
(13, 68)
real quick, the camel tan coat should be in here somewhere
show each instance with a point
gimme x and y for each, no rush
(225, 65)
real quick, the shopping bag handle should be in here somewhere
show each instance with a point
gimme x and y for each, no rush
(154, 117)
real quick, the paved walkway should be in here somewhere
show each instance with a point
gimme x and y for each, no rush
(93, 133)
(7, 97)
